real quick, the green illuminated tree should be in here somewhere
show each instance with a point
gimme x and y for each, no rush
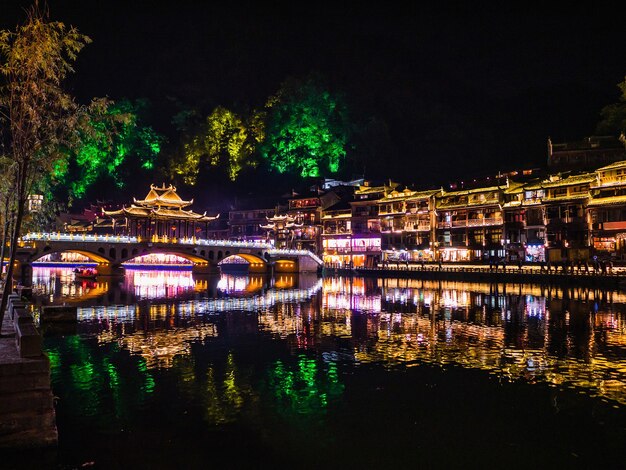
(614, 115)
(39, 117)
(113, 146)
(224, 140)
(307, 130)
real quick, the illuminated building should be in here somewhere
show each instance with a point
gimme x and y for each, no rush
(248, 224)
(406, 225)
(587, 154)
(607, 210)
(160, 214)
(344, 247)
(564, 200)
(470, 224)
(351, 230)
(281, 230)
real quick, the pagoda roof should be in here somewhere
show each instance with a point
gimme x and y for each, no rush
(278, 218)
(160, 213)
(165, 196)
(272, 226)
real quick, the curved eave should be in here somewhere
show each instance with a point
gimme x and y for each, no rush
(565, 198)
(607, 201)
(477, 205)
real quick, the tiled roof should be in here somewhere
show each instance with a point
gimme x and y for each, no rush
(163, 196)
(568, 181)
(613, 166)
(606, 201)
(575, 197)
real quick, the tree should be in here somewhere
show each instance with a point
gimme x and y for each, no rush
(7, 199)
(39, 115)
(307, 130)
(614, 115)
(224, 140)
(112, 146)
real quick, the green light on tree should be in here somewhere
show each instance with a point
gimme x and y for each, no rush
(224, 140)
(307, 130)
(114, 145)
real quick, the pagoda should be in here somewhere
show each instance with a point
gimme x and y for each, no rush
(160, 214)
(281, 228)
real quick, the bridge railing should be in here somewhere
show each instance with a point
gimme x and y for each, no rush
(74, 237)
(65, 237)
(35, 236)
(283, 251)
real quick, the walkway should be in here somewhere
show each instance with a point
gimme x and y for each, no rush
(615, 277)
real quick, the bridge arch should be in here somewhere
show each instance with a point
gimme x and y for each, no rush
(195, 259)
(256, 264)
(110, 252)
(93, 256)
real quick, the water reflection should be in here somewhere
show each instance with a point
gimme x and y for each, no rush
(567, 338)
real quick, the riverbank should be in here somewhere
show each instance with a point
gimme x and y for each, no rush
(616, 279)
(27, 416)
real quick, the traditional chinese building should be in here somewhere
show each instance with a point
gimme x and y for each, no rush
(586, 154)
(162, 213)
(250, 224)
(607, 211)
(351, 230)
(470, 224)
(281, 230)
(564, 202)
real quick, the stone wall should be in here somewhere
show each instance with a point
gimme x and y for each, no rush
(27, 417)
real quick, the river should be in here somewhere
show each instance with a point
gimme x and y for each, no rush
(167, 370)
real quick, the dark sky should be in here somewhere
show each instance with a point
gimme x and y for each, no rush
(459, 88)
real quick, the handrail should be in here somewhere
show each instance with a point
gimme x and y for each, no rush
(36, 236)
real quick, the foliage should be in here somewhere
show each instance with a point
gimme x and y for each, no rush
(307, 130)
(112, 145)
(40, 116)
(614, 115)
(224, 140)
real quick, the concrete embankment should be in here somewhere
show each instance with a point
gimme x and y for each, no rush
(27, 417)
(509, 275)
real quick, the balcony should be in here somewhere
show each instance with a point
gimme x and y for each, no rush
(336, 231)
(566, 220)
(417, 227)
(612, 180)
(485, 221)
(488, 221)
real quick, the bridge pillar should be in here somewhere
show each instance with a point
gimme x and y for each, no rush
(307, 265)
(258, 268)
(204, 269)
(110, 270)
(285, 266)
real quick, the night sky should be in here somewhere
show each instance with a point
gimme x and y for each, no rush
(459, 89)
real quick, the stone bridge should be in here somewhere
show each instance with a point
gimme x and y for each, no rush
(110, 252)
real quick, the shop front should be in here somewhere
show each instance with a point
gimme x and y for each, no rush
(536, 251)
(352, 252)
(458, 255)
